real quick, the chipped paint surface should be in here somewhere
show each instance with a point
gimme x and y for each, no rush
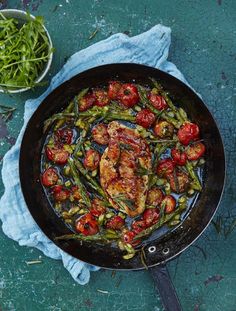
(203, 47)
(31, 4)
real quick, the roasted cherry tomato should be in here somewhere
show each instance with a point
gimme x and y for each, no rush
(100, 134)
(115, 223)
(102, 98)
(188, 132)
(63, 137)
(138, 226)
(58, 156)
(163, 129)
(87, 225)
(165, 167)
(128, 238)
(154, 196)
(151, 216)
(169, 203)
(97, 208)
(60, 193)
(128, 95)
(195, 151)
(113, 89)
(179, 157)
(178, 182)
(91, 160)
(157, 101)
(75, 193)
(87, 102)
(49, 177)
(145, 118)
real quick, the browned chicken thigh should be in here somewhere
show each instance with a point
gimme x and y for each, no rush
(124, 168)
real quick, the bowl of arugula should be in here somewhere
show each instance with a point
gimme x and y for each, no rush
(25, 51)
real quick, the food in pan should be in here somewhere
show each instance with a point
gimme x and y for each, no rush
(121, 162)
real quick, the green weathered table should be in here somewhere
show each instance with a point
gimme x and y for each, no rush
(204, 48)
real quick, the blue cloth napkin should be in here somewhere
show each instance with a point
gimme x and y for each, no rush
(150, 48)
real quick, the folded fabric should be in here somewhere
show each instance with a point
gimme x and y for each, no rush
(150, 48)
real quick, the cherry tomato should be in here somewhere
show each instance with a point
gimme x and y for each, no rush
(188, 132)
(63, 137)
(75, 193)
(157, 101)
(145, 118)
(154, 196)
(128, 95)
(87, 225)
(113, 89)
(169, 203)
(165, 167)
(60, 194)
(151, 216)
(87, 102)
(100, 134)
(195, 151)
(115, 223)
(163, 129)
(49, 177)
(128, 238)
(178, 183)
(179, 157)
(138, 226)
(58, 156)
(102, 98)
(92, 159)
(97, 208)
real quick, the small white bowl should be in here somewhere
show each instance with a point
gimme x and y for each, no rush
(22, 17)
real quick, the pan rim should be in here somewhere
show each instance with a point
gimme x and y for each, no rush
(221, 191)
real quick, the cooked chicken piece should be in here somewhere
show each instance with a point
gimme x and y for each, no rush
(124, 168)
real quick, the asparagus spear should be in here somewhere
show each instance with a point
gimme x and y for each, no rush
(180, 113)
(196, 183)
(78, 182)
(60, 122)
(84, 172)
(171, 120)
(106, 237)
(60, 117)
(163, 94)
(66, 113)
(120, 116)
(163, 220)
(144, 100)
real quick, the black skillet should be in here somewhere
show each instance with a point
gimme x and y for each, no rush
(160, 250)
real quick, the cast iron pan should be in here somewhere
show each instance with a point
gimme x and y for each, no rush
(158, 251)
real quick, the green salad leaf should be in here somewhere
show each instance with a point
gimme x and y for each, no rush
(24, 52)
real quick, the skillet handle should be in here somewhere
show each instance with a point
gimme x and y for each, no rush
(165, 288)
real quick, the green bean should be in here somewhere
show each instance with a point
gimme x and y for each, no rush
(82, 237)
(62, 116)
(196, 183)
(92, 181)
(144, 100)
(171, 120)
(78, 183)
(163, 220)
(68, 109)
(164, 94)
(105, 237)
(120, 116)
